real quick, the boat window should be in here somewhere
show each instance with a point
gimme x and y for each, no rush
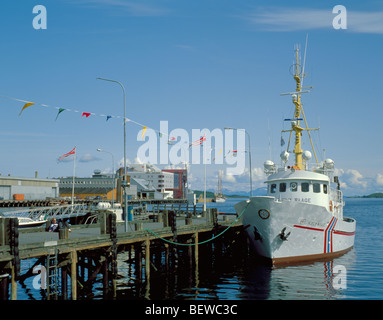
(293, 186)
(282, 187)
(316, 187)
(305, 187)
(273, 188)
(325, 188)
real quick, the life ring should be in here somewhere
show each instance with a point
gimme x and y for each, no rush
(296, 168)
(264, 214)
(331, 206)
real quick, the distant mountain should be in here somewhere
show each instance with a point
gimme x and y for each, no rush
(372, 195)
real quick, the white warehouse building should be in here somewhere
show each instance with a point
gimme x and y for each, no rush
(29, 188)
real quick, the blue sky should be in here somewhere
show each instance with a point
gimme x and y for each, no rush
(196, 64)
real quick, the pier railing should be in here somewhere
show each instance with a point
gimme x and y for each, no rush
(45, 213)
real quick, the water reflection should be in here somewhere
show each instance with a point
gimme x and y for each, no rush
(244, 280)
(316, 280)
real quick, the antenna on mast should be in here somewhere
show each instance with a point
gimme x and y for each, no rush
(304, 58)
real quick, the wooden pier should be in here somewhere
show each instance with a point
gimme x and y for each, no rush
(69, 261)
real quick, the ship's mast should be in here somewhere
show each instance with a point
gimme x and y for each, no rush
(298, 115)
(298, 76)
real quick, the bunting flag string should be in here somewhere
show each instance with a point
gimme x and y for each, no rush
(198, 142)
(87, 114)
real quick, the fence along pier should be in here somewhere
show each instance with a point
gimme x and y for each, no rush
(68, 263)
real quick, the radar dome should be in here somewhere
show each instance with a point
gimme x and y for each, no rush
(285, 155)
(329, 164)
(307, 155)
(268, 164)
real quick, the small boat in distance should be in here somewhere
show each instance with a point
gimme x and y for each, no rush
(218, 196)
(301, 217)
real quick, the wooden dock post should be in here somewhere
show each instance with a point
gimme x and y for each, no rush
(64, 282)
(4, 279)
(147, 259)
(138, 260)
(73, 274)
(196, 259)
(13, 283)
(105, 281)
(196, 249)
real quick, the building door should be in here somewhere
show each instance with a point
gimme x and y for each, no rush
(5, 192)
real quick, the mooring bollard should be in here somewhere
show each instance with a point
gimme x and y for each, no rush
(208, 216)
(138, 226)
(214, 216)
(165, 218)
(63, 233)
(188, 219)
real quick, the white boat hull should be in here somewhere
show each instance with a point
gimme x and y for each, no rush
(28, 223)
(289, 231)
(220, 200)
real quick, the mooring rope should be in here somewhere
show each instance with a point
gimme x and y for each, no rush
(194, 244)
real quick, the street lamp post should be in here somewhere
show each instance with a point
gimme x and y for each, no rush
(114, 173)
(251, 178)
(125, 171)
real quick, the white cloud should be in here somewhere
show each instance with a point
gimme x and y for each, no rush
(291, 19)
(134, 8)
(351, 179)
(295, 19)
(379, 179)
(229, 178)
(88, 158)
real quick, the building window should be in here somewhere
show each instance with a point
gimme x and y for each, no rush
(293, 186)
(273, 187)
(282, 187)
(316, 187)
(305, 187)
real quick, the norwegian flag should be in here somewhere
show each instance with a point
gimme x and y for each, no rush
(198, 142)
(73, 151)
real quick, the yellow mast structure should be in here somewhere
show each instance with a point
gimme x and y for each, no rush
(298, 111)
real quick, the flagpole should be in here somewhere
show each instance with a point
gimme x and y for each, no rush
(74, 173)
(204, 192)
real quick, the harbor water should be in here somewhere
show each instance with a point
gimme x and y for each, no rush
(355, 275)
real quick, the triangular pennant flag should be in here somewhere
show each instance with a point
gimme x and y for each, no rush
(26, 106)
(143, 131)
(108, 117)
(60, 110)
(86, 114)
